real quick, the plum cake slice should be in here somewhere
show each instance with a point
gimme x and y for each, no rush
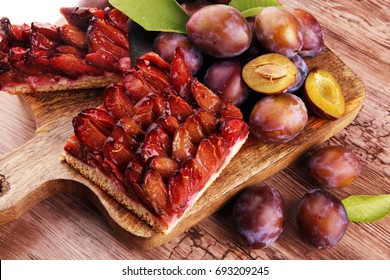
(158, 141)
(91, 50)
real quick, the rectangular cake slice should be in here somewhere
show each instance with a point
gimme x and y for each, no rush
(91, 50)
(158, 141)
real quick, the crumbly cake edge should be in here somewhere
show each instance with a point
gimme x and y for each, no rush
(233, 151)
(110, 187)
(60, 84)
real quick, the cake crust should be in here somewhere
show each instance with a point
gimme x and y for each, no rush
(43, 84)
(115, 189)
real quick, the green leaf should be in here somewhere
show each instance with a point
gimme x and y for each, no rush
(252, 12)
(366, 208)
(154, 15)
(250, 8)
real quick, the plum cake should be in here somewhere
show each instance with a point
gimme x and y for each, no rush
(91, 50)
(158, 141)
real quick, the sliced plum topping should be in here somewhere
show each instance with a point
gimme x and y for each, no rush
(136, 86)
(169, 123)
(73, 146)
(206, 99)
(91, 43)
(157, 191)
(178, 192)
(117, 103)
(153, 58)
(118, 19)
(101, 119)
(194, 175)
(66, 49)
(210, 153)
(166, 166)
(181, 76)
(80, 16)
(118, 153)
(182, 147)
(228, 110)
(233, 129)
(134, 172)
(88, 134)
(48, 30)
(194, 129)
(179, 108)
(72, 66)
(110, 32)
(73, 36)
(207, 121)
(156, 143)
(40, 41)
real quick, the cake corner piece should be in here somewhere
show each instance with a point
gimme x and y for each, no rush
(154, 147)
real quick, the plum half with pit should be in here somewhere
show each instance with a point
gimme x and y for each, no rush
(270, 73)
(278, 118)
(259, 216)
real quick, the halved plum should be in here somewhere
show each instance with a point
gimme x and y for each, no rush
(323, 94)
(270, 73)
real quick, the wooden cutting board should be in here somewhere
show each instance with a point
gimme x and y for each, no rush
(35, 171)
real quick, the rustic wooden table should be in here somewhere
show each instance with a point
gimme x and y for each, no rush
(70, 227)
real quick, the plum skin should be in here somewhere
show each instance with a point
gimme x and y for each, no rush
(219, 31)
(166, 43)
(191, 7)
(224, 78)
(321, 219)
(279, 31)
(334, 166)
(303, 71)
(312, 35)
(278, 118)
(259, 216)
(100, 4)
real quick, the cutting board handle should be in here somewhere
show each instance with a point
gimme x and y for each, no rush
(25, 178)
(34, 172)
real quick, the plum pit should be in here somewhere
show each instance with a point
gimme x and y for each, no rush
(270, 73)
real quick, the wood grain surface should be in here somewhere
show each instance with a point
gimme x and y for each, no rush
(68, 226)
